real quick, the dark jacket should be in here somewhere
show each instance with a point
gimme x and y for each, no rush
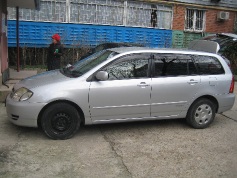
(55, 51)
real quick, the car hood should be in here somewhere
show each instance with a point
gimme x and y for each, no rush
(204, 45)
(42, 79)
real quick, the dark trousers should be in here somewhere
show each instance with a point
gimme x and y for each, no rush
(53, 64)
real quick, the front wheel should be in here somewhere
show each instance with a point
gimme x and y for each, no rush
(201, 113)
(60, 121)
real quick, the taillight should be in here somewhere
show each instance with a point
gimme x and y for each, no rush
(232, 85)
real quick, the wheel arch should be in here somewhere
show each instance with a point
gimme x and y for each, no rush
(60, 101)
(211, 98)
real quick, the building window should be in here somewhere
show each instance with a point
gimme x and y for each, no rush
(103, 12)
(164, 16)
(50, 11)
(149, 15)
(195, 20)
(138, 14)
(97, 12)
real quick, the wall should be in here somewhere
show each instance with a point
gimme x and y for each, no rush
(3, 42)
(214, 26)
(181, 38)
(178, 17)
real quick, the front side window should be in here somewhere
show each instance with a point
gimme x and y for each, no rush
(129, 67)
(173, 65)
(208, 65)
(195, 20)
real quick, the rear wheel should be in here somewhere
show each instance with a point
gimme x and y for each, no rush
(60, 121)
(201, 113)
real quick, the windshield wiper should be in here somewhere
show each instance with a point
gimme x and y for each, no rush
(65, 71)
(76, 73)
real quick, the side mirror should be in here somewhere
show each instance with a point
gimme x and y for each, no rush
(102, 75)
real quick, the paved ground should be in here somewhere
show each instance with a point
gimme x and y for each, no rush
(144, 149)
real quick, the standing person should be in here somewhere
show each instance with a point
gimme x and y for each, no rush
(55, 51)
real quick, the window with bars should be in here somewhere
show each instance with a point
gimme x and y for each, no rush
(107, 12)
(50, 11)
(195, 20)
(104, 12)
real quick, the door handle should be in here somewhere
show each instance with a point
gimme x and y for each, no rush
(192, 81)
(143, 85)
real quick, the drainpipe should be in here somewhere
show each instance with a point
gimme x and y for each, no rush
(17, 39)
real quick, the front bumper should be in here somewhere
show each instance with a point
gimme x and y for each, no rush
(23, 113)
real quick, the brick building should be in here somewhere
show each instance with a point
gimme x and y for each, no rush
(154, 23)
(213, 16)
(197, 17)
(193, 19)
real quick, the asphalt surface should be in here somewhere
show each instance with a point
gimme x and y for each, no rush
(168, 148)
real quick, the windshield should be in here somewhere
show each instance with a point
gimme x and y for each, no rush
(83, 66)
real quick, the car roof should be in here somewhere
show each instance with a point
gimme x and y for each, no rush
(220, 35)
(147, 49)
(128, 49)
(228, 34)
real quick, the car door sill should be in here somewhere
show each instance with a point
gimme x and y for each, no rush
(134, 119)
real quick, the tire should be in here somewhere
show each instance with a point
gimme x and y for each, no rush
(60, 121)
(201, 113)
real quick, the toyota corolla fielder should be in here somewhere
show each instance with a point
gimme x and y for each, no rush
(121, 85)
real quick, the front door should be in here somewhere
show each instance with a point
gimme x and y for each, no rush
(126, 94)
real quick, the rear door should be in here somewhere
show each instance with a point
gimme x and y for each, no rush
(211, 73)
(174, 84)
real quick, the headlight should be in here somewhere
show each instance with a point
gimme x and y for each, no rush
(22, 94)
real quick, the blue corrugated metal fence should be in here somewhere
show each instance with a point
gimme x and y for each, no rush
(38, 34)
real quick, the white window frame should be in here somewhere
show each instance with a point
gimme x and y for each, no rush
(164, 12)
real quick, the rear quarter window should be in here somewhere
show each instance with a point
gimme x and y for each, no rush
(208, 65)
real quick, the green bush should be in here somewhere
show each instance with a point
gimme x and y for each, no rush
(230, 52)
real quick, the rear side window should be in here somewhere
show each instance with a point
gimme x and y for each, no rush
(173, 65)
(208, 65)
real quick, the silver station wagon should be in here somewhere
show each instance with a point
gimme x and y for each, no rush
(122, 85)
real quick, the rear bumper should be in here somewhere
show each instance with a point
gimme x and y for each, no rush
(226, 102)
